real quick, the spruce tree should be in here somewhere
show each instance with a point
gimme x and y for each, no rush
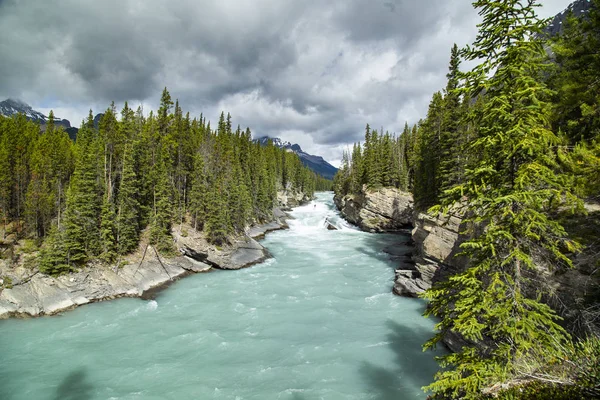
(54, 254)
(507, 198)
(160, 225)
(450, 166)
(217, 225)
(82, 214)
(108, 232)
(127, 223)
(198, 194)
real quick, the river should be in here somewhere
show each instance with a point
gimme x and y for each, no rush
(317, 321)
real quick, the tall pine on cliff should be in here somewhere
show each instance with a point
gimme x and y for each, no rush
(508, 193)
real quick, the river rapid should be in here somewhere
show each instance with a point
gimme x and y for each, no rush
(317, 321)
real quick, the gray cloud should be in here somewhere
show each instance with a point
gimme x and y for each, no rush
(312, 71)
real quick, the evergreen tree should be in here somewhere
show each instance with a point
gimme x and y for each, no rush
(450, 167)
(82, 215)
(509, 194)
(357, 173)
(108, 231)
(127, 223)
(576, 75)
(217, 219)
(51, 165)
(198, 194)
(53, 255)
(160, 225)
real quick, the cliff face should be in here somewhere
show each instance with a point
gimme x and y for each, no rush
(289, 198)
(381, 210)
(574, 293)
(436, 241)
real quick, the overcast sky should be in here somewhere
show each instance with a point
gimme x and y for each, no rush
(313, 72)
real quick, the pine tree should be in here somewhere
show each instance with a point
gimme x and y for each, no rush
(127, 223)
(160, 225)
(198, 194)
(450, 166)
(575, 80)
(508, 196)
(576, 75)
(82, 214)
(239, 200)
(217, 219)
(427, 155)
(53, 255)
(386, 161)
(108, 232)
(357, 173)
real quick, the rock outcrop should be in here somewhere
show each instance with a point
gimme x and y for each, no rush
(45, 295)
(287, 199)
(381, 210)
(436, 241)
(34, 294)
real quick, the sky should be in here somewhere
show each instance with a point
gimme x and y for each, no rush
(313, 72)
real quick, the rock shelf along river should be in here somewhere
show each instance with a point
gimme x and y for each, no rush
(317, 321)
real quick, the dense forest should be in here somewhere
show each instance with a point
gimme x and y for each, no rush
(94, 199)
(513, 146)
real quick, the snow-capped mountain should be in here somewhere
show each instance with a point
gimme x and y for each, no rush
(579, 8)
(10, 107)
(315, 163)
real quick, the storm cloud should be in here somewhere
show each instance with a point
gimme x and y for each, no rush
(312, 72)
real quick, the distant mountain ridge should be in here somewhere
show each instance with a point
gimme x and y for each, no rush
(10, 107)
(578, 8)
(316, 163)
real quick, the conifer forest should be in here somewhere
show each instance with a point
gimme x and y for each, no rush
(94, 198)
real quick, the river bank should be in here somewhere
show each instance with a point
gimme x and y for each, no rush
(35, 294)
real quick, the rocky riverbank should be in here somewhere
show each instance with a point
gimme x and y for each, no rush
(33, 294)
(437, 240)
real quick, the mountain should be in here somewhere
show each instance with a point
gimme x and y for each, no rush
(578, 8)
(10, 107)
(316, 163)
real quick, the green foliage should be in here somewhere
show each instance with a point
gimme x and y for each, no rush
(381, 162)
(160, 225)
(51, 165)
(108, 231)
(83, 205)
(154, 171)
(510, 190)
(575, 77)
(54, 254)
(7, 282)
(127, 223)
(218, 216)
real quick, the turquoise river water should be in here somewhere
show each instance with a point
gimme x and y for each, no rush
(317, 321)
